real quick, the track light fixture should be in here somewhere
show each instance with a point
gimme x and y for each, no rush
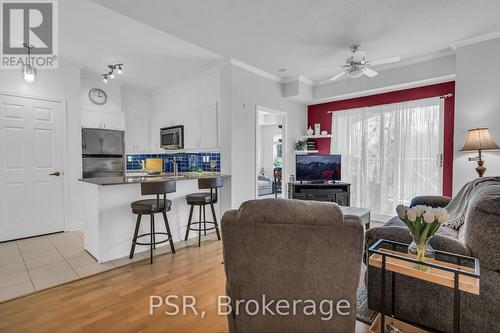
(116, 68)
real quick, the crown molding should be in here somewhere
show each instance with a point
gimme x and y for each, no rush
(474, 40)
(299, 78)
(255, 70)
(381, 90)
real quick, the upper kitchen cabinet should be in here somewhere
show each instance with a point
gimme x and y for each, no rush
(137, 134)
(200, 126)
(137, 105)
(114, 120)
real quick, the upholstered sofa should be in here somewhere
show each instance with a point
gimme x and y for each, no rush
(432, 305)
(264, 185)
(291, 250)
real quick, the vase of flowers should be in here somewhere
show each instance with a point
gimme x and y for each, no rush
(422, 222)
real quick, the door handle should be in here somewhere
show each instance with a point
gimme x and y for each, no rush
(55, 173)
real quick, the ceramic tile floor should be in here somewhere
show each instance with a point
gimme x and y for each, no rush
(37, 263)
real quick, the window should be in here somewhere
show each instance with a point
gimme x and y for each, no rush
(390, 153)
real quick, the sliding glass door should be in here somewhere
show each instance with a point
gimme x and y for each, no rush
(390, 153)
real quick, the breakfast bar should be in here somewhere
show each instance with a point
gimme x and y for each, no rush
(108, 222)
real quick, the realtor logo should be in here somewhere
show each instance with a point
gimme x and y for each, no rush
(32, 23)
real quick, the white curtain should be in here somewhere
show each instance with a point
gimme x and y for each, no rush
(390, 153)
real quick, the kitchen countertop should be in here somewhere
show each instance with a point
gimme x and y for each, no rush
(137, 179)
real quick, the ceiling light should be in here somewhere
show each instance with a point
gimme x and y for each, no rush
(29, 72)
(116, 68)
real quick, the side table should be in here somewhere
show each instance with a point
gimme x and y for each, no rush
(448, 269)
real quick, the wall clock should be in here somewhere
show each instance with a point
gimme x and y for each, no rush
(97, 96)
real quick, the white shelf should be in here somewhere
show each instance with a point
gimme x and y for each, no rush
(298, 152)
(317, 136)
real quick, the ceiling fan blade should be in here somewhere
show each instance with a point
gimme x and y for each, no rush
(358, 56)
(369, 72)
(330, 66)
(384, 61)
(338, 76)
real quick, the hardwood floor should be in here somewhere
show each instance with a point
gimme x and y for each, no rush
(118, 300)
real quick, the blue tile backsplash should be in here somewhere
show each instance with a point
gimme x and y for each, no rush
(185, 161)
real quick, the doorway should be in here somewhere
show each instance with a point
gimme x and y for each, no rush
(31, 166)
(270, 153)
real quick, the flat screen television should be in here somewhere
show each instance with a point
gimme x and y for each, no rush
(318, 167)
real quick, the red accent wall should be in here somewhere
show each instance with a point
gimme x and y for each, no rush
(318, 114)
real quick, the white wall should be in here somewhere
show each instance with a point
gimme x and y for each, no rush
(60, 84)
(477, 104)
(91, 80)
(248, 91)
(138, 107)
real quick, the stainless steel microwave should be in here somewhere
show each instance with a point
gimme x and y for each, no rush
(172, 138)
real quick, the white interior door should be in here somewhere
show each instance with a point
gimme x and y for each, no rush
(31, 146)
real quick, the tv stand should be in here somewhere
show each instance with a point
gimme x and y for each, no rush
(317, 182)
(335, 192)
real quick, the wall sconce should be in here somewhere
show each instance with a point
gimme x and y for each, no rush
(29, 71)
(479, 139)
(117, 68)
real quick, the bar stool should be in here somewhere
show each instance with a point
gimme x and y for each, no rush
(152, 207)
(201, 199)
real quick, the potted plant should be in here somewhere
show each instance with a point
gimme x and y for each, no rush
(301, 144)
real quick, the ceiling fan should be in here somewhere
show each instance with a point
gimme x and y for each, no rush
(357, 65)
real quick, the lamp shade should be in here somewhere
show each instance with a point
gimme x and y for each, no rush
(479, 139)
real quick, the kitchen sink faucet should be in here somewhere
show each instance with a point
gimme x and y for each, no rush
(176, 173)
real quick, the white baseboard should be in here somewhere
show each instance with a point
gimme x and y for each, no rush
(74, 227)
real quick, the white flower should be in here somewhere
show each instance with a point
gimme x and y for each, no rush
(438, 212)
(411, 215)
(419, 210)
(428, 216)
(401, 210)
(441, 215)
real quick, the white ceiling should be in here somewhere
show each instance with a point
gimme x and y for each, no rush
(93, 36)
(302, 35)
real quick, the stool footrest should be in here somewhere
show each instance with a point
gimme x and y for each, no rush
(200, 228)
(155, 243)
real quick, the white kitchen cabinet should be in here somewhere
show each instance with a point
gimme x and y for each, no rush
(114, 120)
(200, 127)
(91, 119)
(137, 134)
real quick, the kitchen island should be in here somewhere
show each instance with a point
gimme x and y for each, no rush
(108, 222)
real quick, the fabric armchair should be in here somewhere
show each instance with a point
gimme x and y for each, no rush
(429, 304)
(434, 201)
(291, 250)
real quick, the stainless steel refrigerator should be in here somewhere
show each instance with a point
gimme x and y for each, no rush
(102, 153)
